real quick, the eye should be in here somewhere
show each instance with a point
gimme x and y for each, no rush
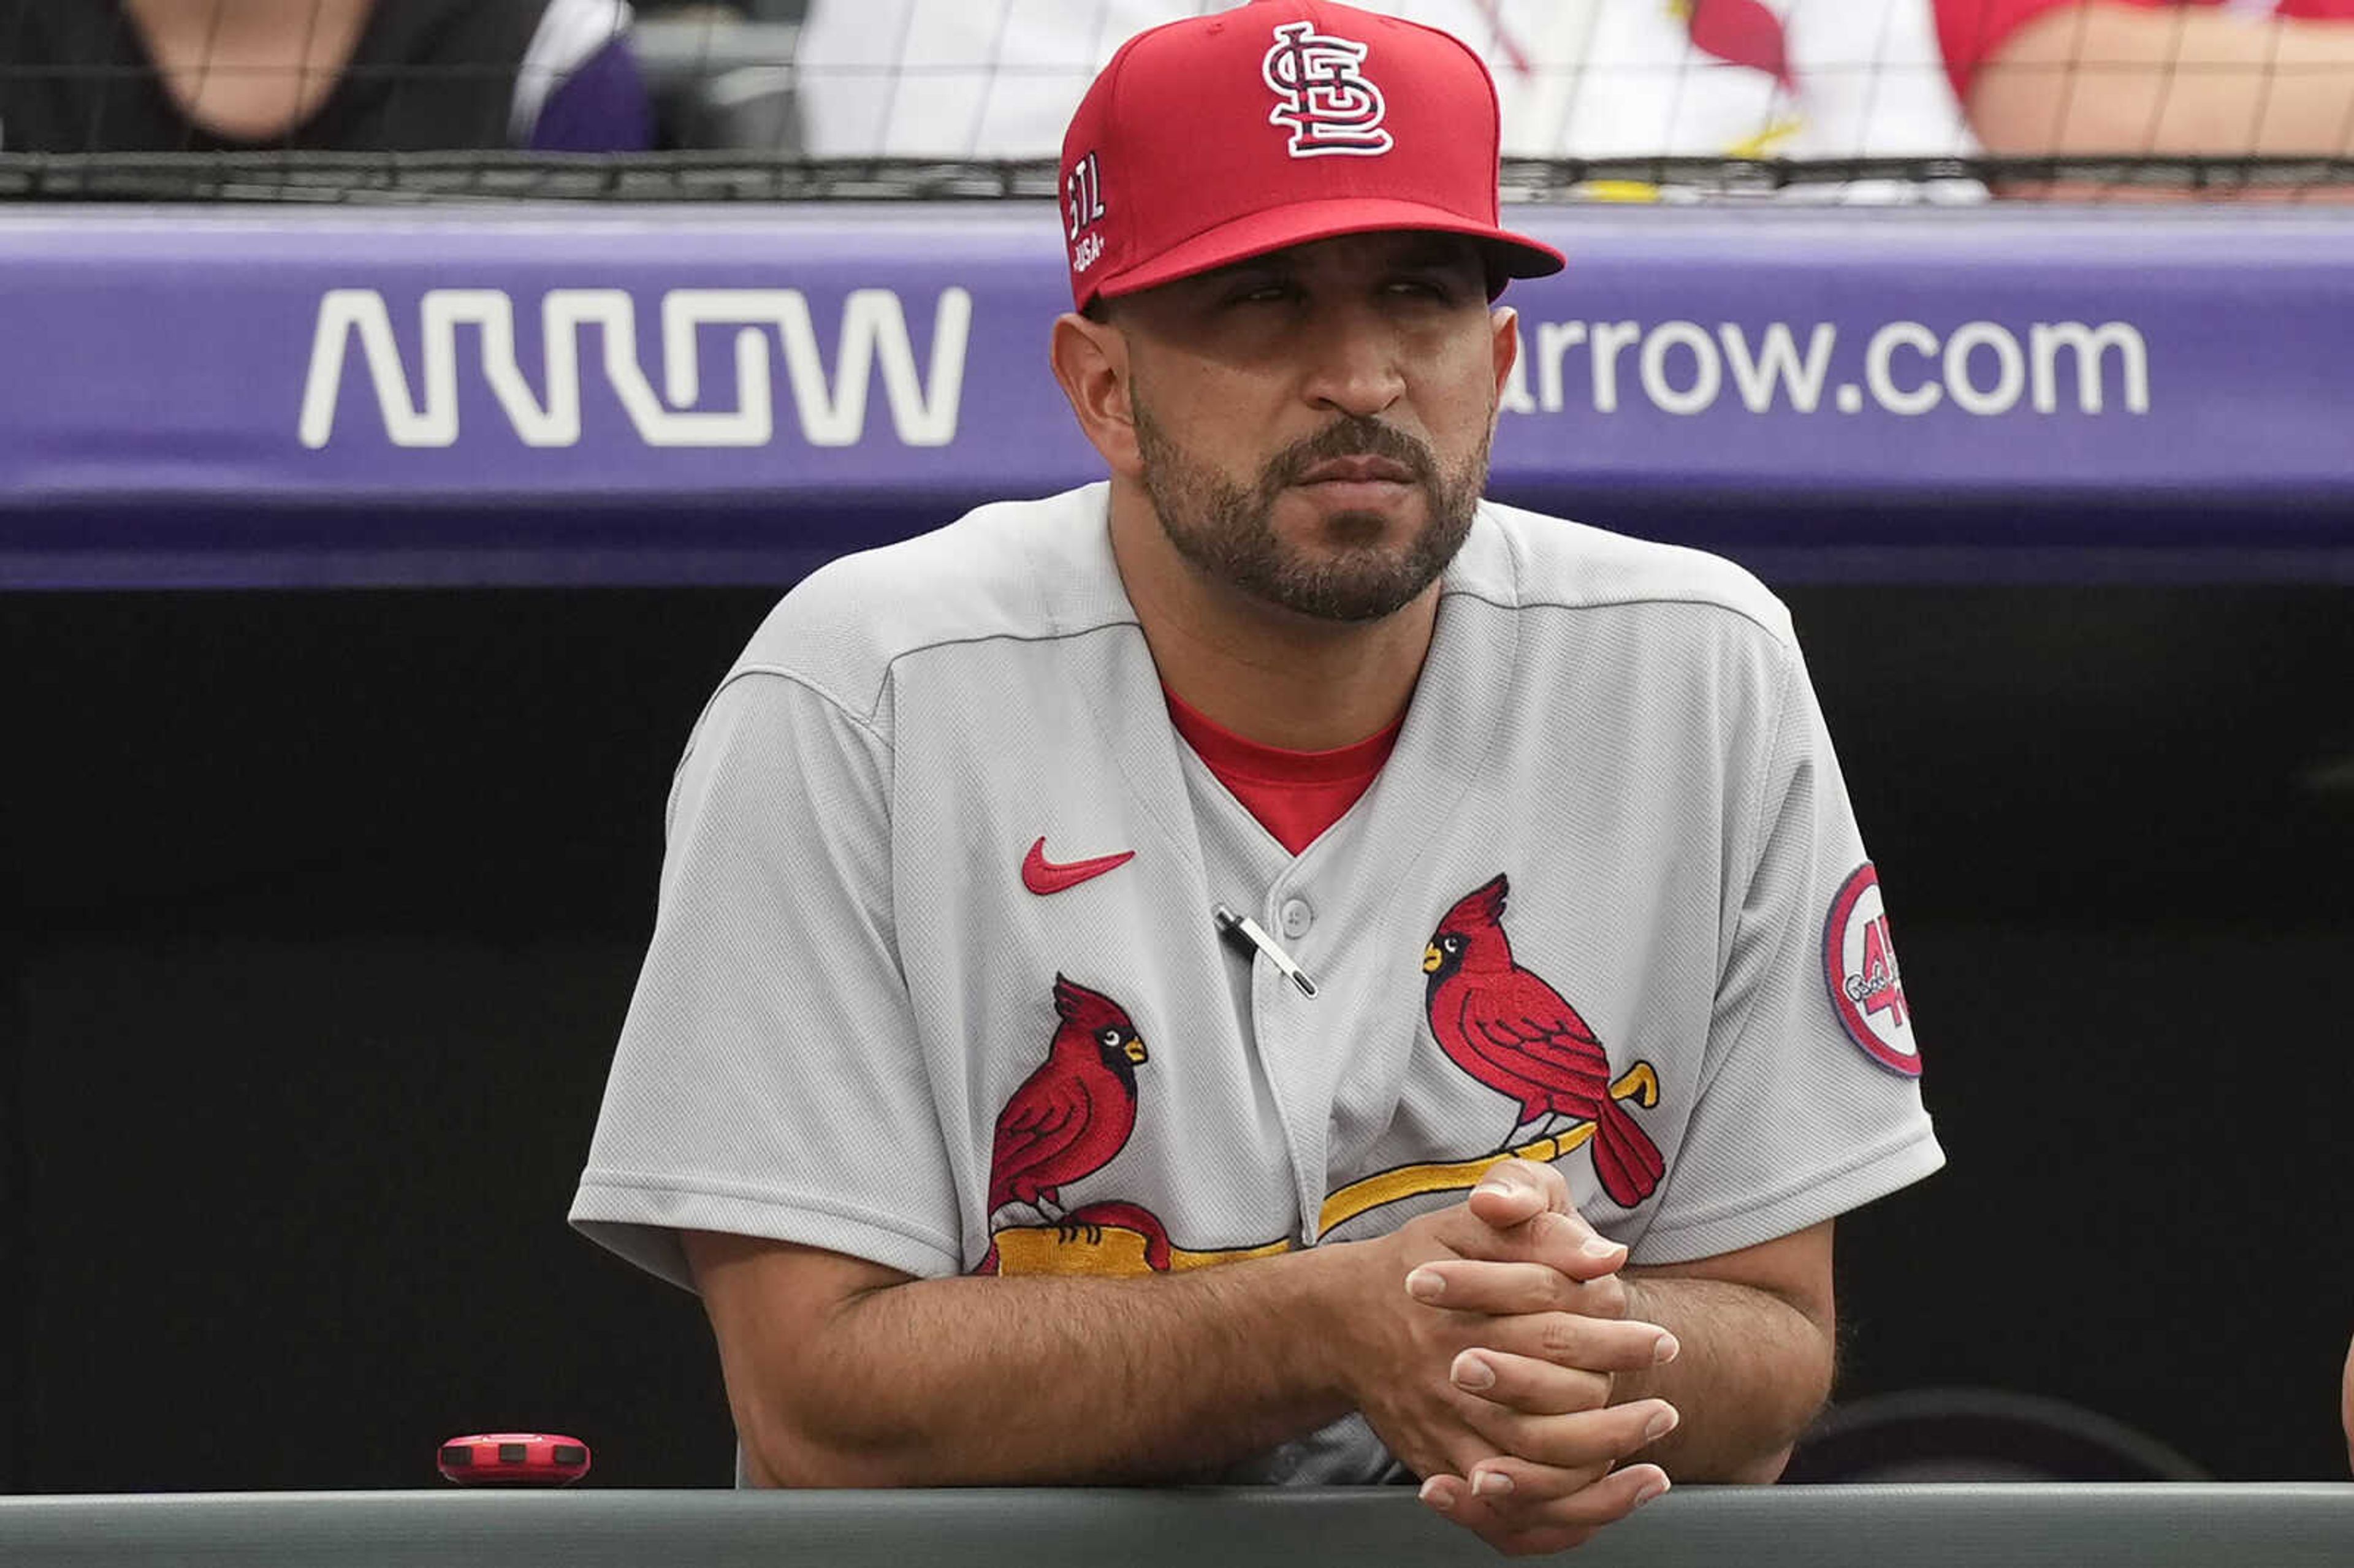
(1260, 291)
(1110, 1038)
(1447, 272)
(1451, 943)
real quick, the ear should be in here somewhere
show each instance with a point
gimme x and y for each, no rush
(1504, 333)
(1090, 361)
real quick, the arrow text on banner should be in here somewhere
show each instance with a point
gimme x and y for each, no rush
(831, 411)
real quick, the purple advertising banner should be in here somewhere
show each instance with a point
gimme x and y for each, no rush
(582, 394)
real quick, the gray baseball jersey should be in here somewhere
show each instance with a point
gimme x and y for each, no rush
(936, 978)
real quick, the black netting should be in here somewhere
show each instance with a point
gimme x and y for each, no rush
(390, 178)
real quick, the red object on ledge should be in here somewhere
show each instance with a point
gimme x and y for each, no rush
(514, 1459)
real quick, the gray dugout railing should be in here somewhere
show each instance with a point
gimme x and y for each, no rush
(1949, 1526)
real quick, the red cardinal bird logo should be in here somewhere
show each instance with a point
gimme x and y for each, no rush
(1074, 1110)
(1506, 1027)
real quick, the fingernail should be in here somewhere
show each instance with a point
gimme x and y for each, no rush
(1657, 1490)
(1436, 1495)
(1663, 1424)
(1599, 1247)
(1424, 1285)
(1491, 1484)
(1471, 1371)
(1666, 1349)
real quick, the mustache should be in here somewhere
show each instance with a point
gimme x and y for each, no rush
(1351, 435)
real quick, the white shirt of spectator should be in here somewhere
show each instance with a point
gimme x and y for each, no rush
(999, 78)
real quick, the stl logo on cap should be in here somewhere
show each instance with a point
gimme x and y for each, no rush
(1321, 93)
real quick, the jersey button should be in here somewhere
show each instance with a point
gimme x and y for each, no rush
(1297, 917)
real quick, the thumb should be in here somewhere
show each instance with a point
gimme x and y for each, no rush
(1517, 1193)
(1513, 1192)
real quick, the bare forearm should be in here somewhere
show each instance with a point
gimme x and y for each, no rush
(1752, 1372)
(2113, 78)
(986, 1381)
(2346, 1405)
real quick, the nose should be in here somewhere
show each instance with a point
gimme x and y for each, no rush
(1355, 361)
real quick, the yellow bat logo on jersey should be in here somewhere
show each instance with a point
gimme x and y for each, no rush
(1124, 1240)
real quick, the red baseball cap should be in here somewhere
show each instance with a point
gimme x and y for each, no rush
(1225, 136)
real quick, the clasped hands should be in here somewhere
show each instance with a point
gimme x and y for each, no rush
(1494, 1367)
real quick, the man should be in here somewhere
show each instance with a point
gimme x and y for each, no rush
(1077, 918)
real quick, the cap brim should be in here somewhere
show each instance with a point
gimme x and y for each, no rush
(1255, 234)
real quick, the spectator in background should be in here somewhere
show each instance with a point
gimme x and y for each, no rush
(2222, 78)
(152, 76)
(1826, 78)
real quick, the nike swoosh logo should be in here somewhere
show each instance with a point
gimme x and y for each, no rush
(1043, 877)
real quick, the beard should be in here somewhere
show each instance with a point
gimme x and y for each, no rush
(1227, 531)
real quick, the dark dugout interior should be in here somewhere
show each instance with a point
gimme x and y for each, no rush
(322, 908)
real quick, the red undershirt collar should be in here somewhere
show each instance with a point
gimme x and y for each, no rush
(1295, 795)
